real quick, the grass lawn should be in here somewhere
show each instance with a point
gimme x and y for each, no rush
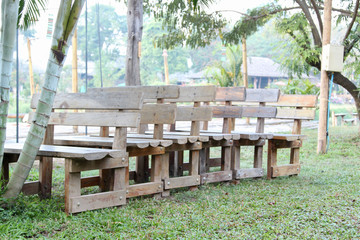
(323, 202)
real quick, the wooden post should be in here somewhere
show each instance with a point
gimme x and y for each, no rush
(324, 83)
(166, 66)
(31, 74)
(245, 68)
(74, 71)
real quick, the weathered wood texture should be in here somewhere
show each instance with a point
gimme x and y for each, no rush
(259, 112)
(227, 111)
(293, 113)
(150, 92)
(262, 95)
(230, 94)
(196, 94)
(95, 100)
(306, 101)
(185, 113)
(158, 114)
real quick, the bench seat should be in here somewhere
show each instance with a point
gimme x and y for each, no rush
(289, 137)
(81, 153)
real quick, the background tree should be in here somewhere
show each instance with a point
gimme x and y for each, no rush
(300, 22)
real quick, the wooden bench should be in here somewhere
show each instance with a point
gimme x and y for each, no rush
(78, 159)
(343, 120)
(297, 108)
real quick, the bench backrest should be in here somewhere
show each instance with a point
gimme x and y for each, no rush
(195, 113)
(158, 113)
(297, 108)
(123, 113)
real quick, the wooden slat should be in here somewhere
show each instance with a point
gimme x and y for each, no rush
(230, 94)
(89, 154)
(90, 181)
(106, 119)
(144, 189)
(262, 112)
(97, 201)
(95, 100)
(249, 173)
(150, 92)
(287, 144)
(216, 177)
(293, 113)
(193, 113)
(307, 101)
(31, 188)
(106, 163)
(158, 114)
(227, 111)
(262, 95)
(288, 137)
(178, 182)
(196, 94)
(285, 170)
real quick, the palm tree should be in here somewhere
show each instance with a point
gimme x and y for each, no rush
(227, 73)
(67, 18)
(25, 13)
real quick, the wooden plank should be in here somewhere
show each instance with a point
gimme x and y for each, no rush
(31, 188)
(95, 100)
(90, 181)
(248, 142)
(183, 147)
(227, 111)
(186, 113)
(285, 170)
(178, 182)
(307, 101)
(262, 95)
(150, 92)
(259, 112)
(196, 94)
(173, 138)
(158, 114)
(288, 137)
(249, 173)
(287, 144)
(46, 166)
(134, 151)
(89, 154)
(106, 119)
(293, 113)
(97, 201)
(230, 94)
(106, 163)
(216, 177)
(144, 189)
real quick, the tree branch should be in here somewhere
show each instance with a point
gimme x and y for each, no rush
(318, 15)
(314, 30)
(352, 20)
(350, 46)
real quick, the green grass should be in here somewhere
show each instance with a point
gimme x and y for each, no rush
(323, 202)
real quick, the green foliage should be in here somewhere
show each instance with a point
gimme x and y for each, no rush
(29, 12)
(323, 202)
(297, 86)
(227, 74)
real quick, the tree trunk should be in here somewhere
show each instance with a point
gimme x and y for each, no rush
(67, 18)
(350, 87)
(133, 52)
(8, 43)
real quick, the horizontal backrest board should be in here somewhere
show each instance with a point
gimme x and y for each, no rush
(185, 113)
(105, 119)
(308, 101)
(95, 100)
(293, 113)
(196, 94)
(227, 111)
(230, 94)
(262, 95)
(158, 114)
(262, 112)
(150, 92)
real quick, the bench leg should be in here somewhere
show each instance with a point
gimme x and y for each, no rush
(156, 171)
(72, 186)
(235, 160)
(165, 171)
(142, 169)
(106, 179)
(45, 177)
(203, 166)
(180, 160)
(194, 165)
(258, 156)
(272, 158)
